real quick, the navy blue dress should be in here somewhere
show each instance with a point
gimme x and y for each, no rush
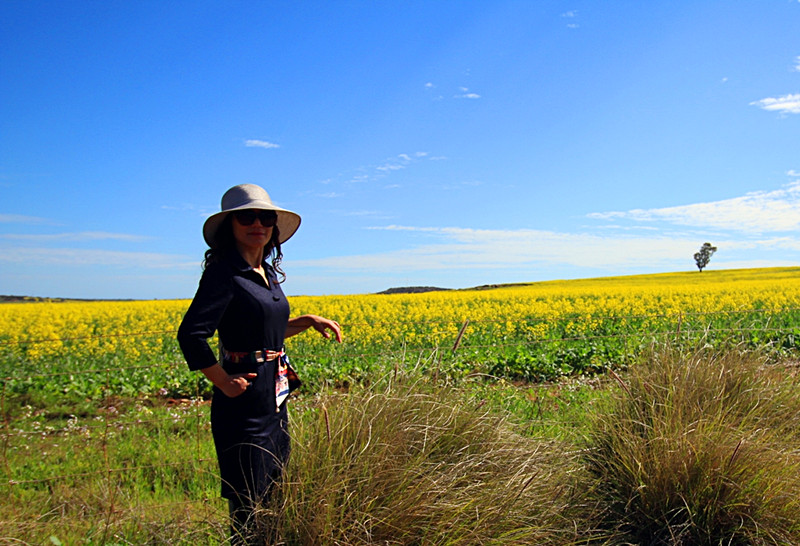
(250, 433)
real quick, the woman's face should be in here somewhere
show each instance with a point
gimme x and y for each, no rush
(252, 228)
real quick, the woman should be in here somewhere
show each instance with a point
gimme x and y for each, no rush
(240, 297)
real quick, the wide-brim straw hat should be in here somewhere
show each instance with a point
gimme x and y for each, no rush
(249, 196)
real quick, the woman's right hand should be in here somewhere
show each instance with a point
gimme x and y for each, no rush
(231, 385)
(236, 384)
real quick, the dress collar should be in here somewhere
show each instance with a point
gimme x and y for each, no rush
(241, 265)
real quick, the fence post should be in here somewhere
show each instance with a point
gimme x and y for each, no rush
(460, 335)
(6, 430)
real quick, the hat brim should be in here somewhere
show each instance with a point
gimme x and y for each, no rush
(287, 223)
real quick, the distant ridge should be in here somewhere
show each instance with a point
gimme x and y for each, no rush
(25, 299)
(413, 290)
(421, 289)
(35, 299)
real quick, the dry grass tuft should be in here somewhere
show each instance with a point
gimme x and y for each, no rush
(413, 465)
(700, 449)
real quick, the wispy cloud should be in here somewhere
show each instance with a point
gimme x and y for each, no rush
(77, 257)
(185, 207)
(73, 237)
(466, 94)
(22, 219)
(464, 248)
(571, 14)
(374, 173)
(454, 249)
(463, 92)
(756, 212)
(786, 104)
(429, 87)
(373, 214)
(797, 63)
(764, 222)
(254, 143)
(391, 167)
(400, 161)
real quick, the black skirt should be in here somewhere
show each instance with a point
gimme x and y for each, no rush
(251, 435)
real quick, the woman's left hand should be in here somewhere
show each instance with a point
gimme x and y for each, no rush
(327, 327)
(322, 325)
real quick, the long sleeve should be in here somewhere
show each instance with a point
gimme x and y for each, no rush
(214, 293)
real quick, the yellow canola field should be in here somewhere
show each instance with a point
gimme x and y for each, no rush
(43, 330)
(146, 329)
(535, 310)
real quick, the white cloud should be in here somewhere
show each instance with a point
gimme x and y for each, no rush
(359, 178)
(77, 257)
(755, 212)
(786, 104)
(391, 167)
(21, 219)
(396, 163)
(463, 248)
(185, 207)
(465, 94)
(253, 143)
(758, 228)
(378, 173)
(78, 236)
(797, 64)
(525, 251)
(364, 213)
(571, 14)
(752, 264)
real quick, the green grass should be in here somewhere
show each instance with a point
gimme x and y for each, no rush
(125, 473)
(679, 449)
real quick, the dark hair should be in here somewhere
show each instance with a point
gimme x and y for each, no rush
(227, 244)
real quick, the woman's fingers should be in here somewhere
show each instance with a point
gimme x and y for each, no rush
(333, 326)
(240, 382)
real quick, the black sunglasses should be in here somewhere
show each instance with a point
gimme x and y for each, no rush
(268, 218)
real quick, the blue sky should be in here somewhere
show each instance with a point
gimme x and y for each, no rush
(443, 143)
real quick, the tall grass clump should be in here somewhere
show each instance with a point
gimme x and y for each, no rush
(700, 449)
(414, 464)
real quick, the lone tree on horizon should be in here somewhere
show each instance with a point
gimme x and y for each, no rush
(703, 256)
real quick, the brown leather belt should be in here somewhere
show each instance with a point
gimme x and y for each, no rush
(253, 357)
